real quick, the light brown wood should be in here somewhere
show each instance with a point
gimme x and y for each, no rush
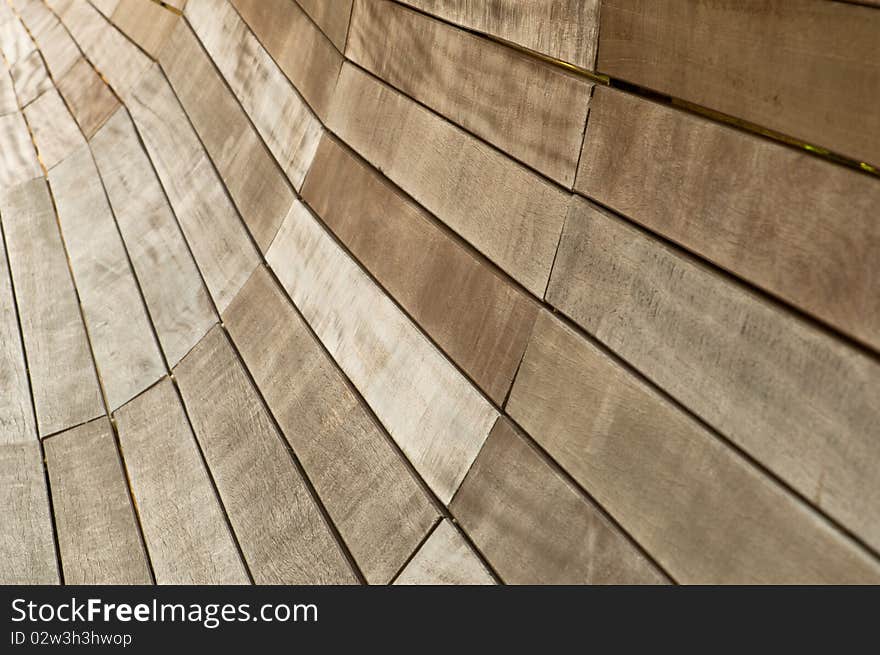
(15, 44)
(445, 559)
(8, 101)
(507, 212)
(98, 535)
(107, 7)
(147, 23)
(332, 16)
(475, 315)
(800, 227)
(183, 522)
(430, 409)
(58, 48)
(55, 132)
(704, 513)
(281, 531)
(534, 527)
(30, 78)
(531, 110)
(380, 510)
(18, 159)
(90, 100)
(35, 16)
(65, 388)
(804, 68)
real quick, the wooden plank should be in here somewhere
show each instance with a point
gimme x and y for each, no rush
(804, 68)
(65, 389)
(106, 7)
(256, 183)
(288, 34)
(332, 17)
(380, 510)
(216, 235)
(437, 418)
(531, 110)
(121, 337)
(59, 50)
(179, 304)
(507, 212)
(15, 44)
(30, 78)
(18, 159)
(183, 522)
(445, 559)
(534, 527)
(475, 315)
(281, 531)
(27, 548)
(800, 227)
(288, 126)
(35, 16)
(703, 512)
(90, 100)
(562, 29)
(97, 531)
(147, 23)
(8, 101)
(55, 132)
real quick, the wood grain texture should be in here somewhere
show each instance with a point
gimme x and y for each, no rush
(332, 16)
(562, 29)
(703, 512)
(97, 531)
(179, 304)
(122, 341)
(804, 68)
(380, 510)
(30, 78)
(147, 23)
(288, 126)
(27, 548)
(55, 132)
(445, 559)
(800, 227)
(534, 527)
(106, 7)
(288, 34)
(18, 159)
(58, 48)
(35, 15)
(213, 228)
(281, 531)
(183, 522)
(90, 100)
(529, 109)
(15, 44)
(437, 418)
(475, 315)
(8, 101)
(62, 374)
(507, 212)
(256, 183)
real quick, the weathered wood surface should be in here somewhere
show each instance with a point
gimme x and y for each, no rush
(704, 513)
(65, 388)
(184, 526)
(534, 527)
(179, 304)
(55, 132)
(800, 227)
(380, 510)
(332, 16)
(90, 100)
(506, 211)
(15, 44)
(30, 78)
(804, 68)
(476, 316)
(35, 15)
(98, 535)
(531, 110)
(58, 48)
(430, 409)
(148, 24)
(107, 7)
(18, 159)
(445, 559)
(282, 533)
(8, 101)
(256, 183)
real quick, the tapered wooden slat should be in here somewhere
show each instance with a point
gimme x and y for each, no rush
(18, 159)
(380, 510)
(179, 304)
(533, 111)
(107, 7)
(437, 418)
(35, 15)
(445, 559)
(55, 132)
(283, 536)
(15, 44)
(509, 213)
(89, 98)
(704, 512)
(332, 17)
(148, 24)
(8, 101)
(30, 78)
(58, 48)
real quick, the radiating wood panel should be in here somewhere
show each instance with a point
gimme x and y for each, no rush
(704, 513)
(55, 132)
(122, 340)
(62, 373)
(534, 527)
(445, 559)
(800, 227)
(27, 548)
(15, 44)
(332, 17)
(433, 413)
(179, 304)
(35, 15)
(805, 68)
(90, 100)
(256, 183)
(30, 78)
(280, 115)
(18, 159)
(145, 22)
(98, 533)
(106, 7)
(380, 510)
(562, 29)
(509, 213)
(58, 48)
(475, 315)
(283, 535)
(534, 111)
(8, 101)
(213, 228)
(183, 522)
